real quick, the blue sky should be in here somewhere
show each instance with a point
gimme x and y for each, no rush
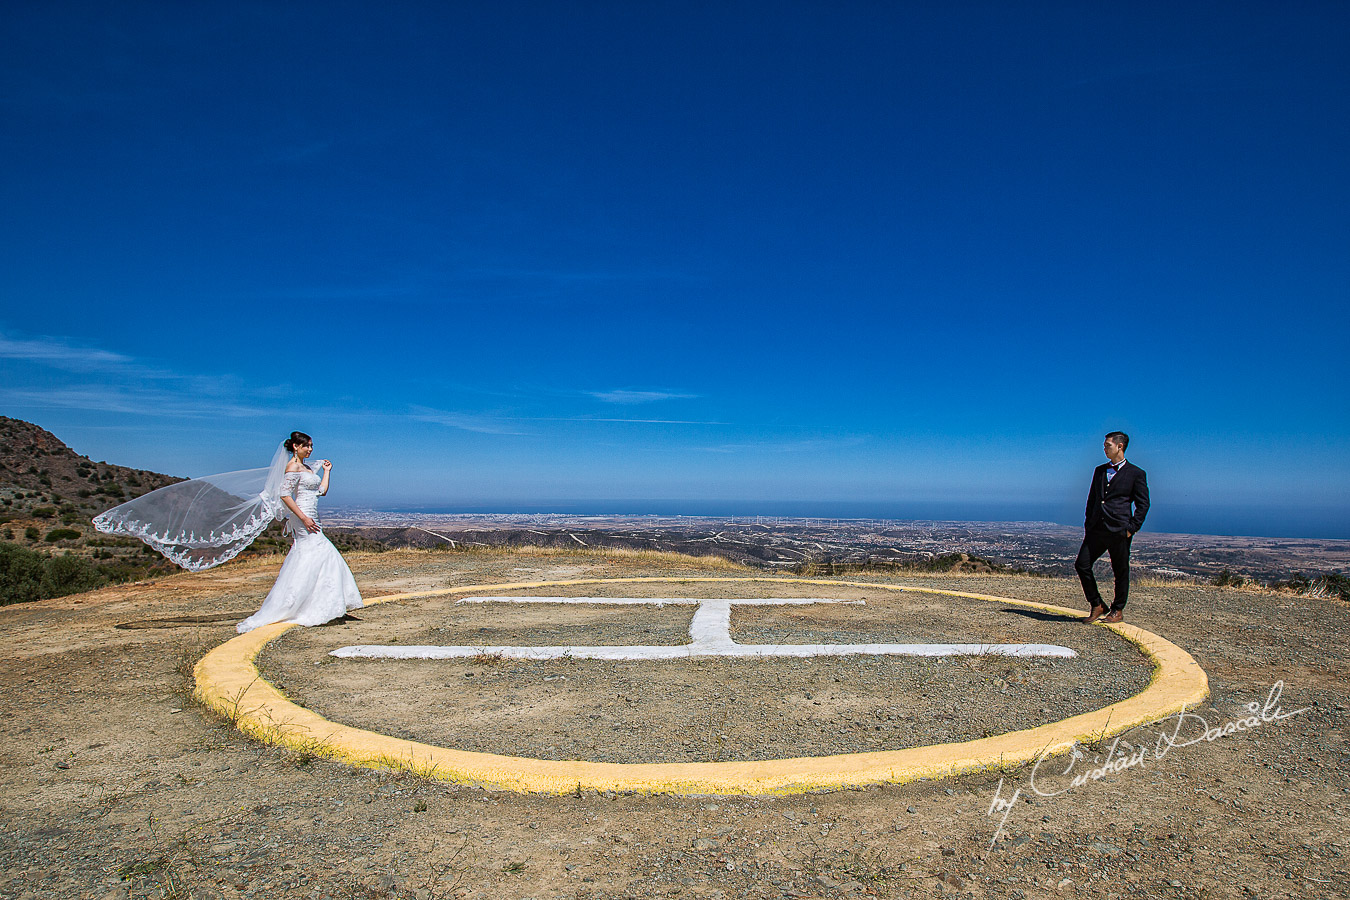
(519, 253)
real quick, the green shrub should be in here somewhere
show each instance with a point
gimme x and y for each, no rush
(28, 575)
(20, 574)
(44, 512)
(61, 534)
(1329, 584)
(1227, 579)
(32, 533)
(1337, 584)
(64, 575)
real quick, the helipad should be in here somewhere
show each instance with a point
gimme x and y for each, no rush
(229, 681)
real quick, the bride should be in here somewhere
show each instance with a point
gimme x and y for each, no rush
(314, 585)
(206, 521)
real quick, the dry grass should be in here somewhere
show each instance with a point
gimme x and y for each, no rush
(618, 554)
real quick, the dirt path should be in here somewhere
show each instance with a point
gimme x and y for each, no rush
(113, 784)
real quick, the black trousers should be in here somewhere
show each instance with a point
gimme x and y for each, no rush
(1095, 543)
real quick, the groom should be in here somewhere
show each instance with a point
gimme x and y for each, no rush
(1110, 524)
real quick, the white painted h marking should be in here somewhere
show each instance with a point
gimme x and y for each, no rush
(709, 634)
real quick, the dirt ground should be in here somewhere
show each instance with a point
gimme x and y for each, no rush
(114, 784)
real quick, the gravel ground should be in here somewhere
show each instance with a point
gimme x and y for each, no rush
(706, 709)
(113, 785)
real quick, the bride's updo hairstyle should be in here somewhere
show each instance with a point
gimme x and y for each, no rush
(297, 439)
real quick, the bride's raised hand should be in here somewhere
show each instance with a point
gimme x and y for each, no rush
(327, 464)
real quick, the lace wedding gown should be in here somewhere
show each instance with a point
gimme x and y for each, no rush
(314, 585)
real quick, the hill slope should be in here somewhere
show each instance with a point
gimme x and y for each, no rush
(48, 496)
(37, 469)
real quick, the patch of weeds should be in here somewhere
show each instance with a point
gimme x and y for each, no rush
(485, 659)
(445, 875)
(422, 768)
(865, 865)
(186, 657)
(231, 709)
(154, 874)
(142, 867)
(514, 868)
(1099, 742)
(1006, 766)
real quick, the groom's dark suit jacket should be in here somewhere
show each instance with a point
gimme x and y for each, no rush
(1108, 504)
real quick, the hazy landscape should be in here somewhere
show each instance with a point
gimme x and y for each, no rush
(791, 544)
(49, 493)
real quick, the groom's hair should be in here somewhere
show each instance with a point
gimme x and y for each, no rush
(1120, 438)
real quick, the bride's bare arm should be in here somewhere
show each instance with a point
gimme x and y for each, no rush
(323, 485)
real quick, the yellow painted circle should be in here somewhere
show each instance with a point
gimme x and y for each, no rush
(229, 682)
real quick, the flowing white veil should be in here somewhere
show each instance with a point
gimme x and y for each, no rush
(203, 522)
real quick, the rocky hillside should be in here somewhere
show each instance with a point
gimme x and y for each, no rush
(37, 470)
(48, 496)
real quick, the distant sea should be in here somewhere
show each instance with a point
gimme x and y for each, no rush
(1265, 521)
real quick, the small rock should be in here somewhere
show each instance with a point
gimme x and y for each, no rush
(1064, 884)
(1108, 849)
(834, 884)
(706, 844)
(910, 809)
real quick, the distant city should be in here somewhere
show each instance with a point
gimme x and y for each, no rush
(781, 542)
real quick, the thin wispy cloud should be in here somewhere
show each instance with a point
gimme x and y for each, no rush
(105, 381)
(129, 401)
(62, 354)
(488, 423)
(636, 421)
(476, 422)
(635, 397)
(807, 445)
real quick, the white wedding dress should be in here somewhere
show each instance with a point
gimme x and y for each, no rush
(314, 585)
